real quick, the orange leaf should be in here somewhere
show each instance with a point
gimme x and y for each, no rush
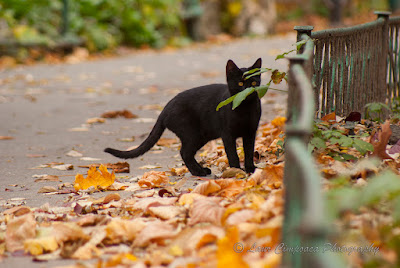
(381, 143)
(94, 178)
(330, 118)
(153, 179)
(230, 250)
(18, 230)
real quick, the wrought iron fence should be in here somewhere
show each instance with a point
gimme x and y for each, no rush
(356, 65)
(304, 225)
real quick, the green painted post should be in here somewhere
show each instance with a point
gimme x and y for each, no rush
(300, 31)
(65, 21)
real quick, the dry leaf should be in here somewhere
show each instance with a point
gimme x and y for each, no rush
(97, 179)
(149, 167)
(234, 173)
(124, 113)
(278, 121)
(63, 167)
(120, 167)
(6, 138)
(121, 259)
(206, 210)
(47, 189)
(230, 187)
(270, 174)
(122, 231)
(89, 250)
(230, 251)
(18, 230)
(179, 171)
(153, 179)
(95, 120)
(240, 216)
(207, 188)
(167, 142)
(17, 211)
(156, 232)
(44, 242)
(107, 199)
(166, 212)
(382, 142)
(330, 118)
(45, 177)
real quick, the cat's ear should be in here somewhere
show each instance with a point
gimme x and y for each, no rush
(257, 64)
(231, 67)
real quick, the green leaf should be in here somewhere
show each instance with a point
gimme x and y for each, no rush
(363, 146)
(300, 44)
(262, 90)
(241, 96)
(282, 56)
(318, 143)
(225, 102)
(255, 72)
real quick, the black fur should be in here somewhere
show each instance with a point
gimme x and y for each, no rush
(192, 116)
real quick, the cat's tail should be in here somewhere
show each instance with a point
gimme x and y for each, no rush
(146, 145)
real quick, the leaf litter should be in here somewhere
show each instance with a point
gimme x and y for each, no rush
(165, 223)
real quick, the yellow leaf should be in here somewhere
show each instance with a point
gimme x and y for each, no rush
(230, 250)
(121, 259)
(40, 245)
(99, 180)
(234, 8)
(278, 121)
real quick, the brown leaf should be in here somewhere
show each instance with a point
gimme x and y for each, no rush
(120, 167)
(206, 210)
(382, 141)
(17, 211)
(122, 231)
(277, 76)
(18, 230)
(6, 138)
(330, 118)
(234, 173)
(207, 188)
(48, 178)
(47, 189)
(123, 113)
(153, 179)
(167, 142)
(156, 232)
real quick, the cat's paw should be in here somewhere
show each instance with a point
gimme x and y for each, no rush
(250, 169)
(201, 173)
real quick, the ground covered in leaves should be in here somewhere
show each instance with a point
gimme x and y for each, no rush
(225, 221)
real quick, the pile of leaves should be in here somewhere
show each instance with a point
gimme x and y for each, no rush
(227, 221)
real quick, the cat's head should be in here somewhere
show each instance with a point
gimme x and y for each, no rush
(235, 79)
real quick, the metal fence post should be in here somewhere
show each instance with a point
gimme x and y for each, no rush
(300, 31)
(382, 85)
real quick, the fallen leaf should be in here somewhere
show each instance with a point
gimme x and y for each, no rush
(95, 120)
(123, 113)
(167, 142)
(121, 259)
(89, 250)
(120, 167)
(63, 167)
(153, 179)
(166, 212)
(98, 179)
(108, 198)
(89, 159)
(18, 230)
(154, 232)
(207, 188)
(230, 250)
(206, 210)
(330, 118)
(43, 243)
(234, 173)
(278, 121)
(179, 171)
(6, 138)
(45, 177)
(149, 167)
(382, 141)
(17, 211)
(47, 189)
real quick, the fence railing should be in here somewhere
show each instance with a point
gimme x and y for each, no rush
(304, 224)
(356, 65)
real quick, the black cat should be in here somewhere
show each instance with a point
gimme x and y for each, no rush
(192, 116)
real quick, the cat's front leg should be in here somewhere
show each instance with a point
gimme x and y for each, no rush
(230, 150)
(248, 146)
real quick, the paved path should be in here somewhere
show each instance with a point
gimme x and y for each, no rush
(40, 104)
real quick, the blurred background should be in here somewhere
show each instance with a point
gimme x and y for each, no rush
(29, 27)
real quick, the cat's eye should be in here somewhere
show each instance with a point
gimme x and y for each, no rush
(240, 84)
(253, 83)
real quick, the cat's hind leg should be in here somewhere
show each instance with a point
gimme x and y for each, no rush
(188, 151)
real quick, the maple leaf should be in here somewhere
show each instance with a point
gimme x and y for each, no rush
(153, 179)
(97, 179)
